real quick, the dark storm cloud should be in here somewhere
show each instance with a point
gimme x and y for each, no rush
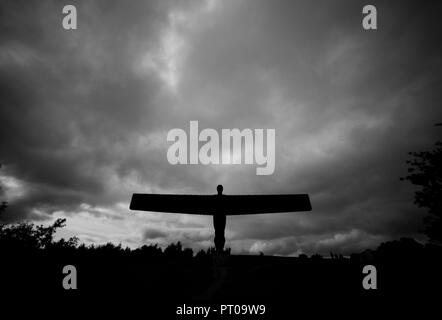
(347, 105)
(70, 98)
(84, 114)
(153, 234)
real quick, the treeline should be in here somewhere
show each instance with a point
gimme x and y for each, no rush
(32, 263)
(28, 238)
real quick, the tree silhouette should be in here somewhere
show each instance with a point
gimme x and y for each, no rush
(27, 235)
(425, 170)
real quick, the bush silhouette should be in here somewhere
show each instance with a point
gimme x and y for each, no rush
(425, 171)
(29, 236)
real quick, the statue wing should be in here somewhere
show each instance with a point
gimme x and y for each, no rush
(228, 204)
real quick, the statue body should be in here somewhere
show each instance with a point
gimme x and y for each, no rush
(220, 205)
(219, 221)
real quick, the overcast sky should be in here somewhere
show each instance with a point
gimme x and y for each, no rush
(84, 115)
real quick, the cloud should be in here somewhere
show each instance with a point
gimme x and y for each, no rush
(153, 234)
(85, 114)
